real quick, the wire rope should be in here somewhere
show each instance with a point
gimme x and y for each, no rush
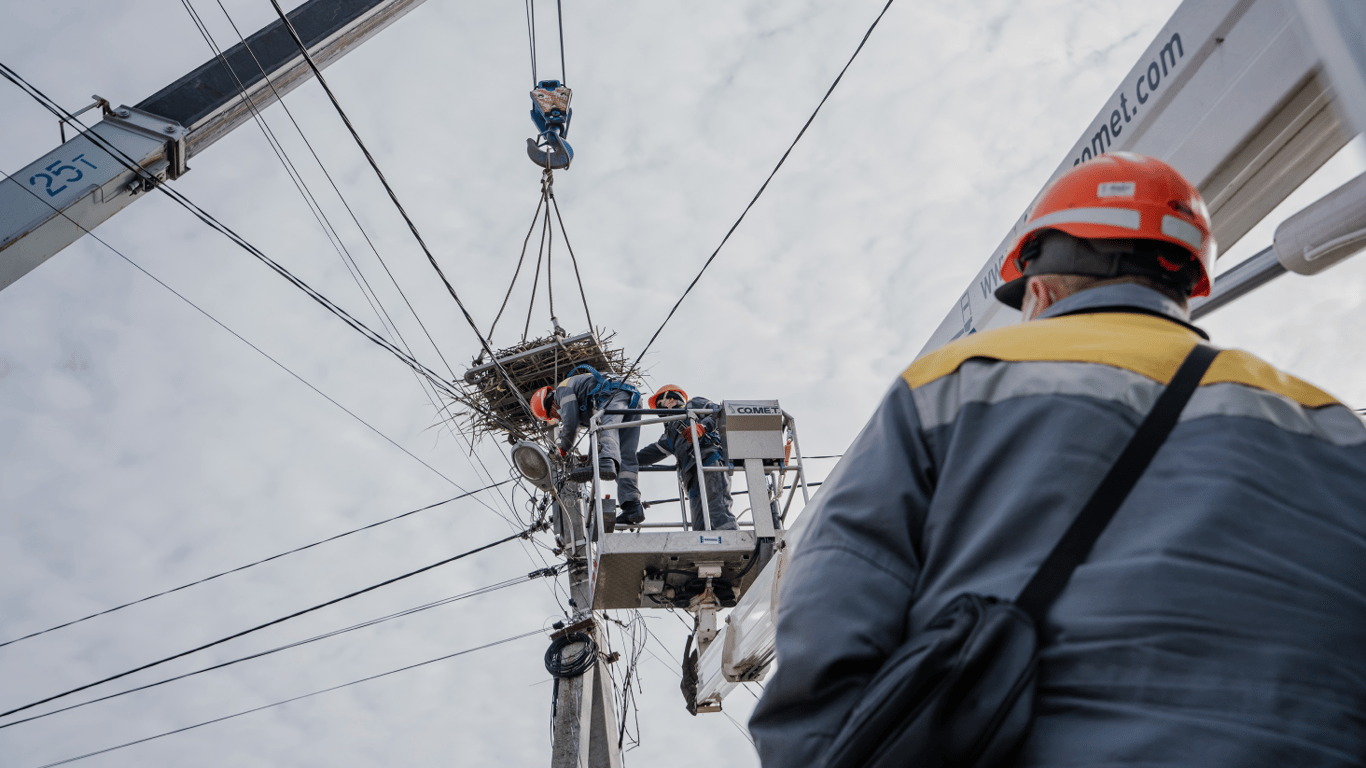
(296, 698)
(762, 187)
(271, 623)
(520, 259)
(531, 36)
(536, 280)
(575, 262)
(249, 565)
(559, 16)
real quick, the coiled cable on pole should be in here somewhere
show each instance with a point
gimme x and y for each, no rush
(579, 662)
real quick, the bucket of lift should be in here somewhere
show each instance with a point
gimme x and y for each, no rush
(648, 569)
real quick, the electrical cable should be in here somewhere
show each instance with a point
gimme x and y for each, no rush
(576, 664)
(249, 565)
(469, 319)
(271, 623)
(382, 313)
(435, 379)
(296, 698)
(354, 218)
(782, 160)
(408, 612)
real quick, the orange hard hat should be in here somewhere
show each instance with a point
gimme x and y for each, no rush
(543, 404)
(654, 399)
(1120, 196)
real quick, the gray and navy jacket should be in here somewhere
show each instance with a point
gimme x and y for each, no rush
(677, 443)
(1220, 619)
(576, 398)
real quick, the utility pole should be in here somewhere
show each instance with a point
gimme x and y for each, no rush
(76, 187)
(585, 721)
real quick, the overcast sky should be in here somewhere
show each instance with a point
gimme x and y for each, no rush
(143, 447)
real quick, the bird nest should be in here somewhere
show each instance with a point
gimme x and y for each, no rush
(492, 407)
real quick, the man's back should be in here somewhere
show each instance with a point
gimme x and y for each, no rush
(1221, 617)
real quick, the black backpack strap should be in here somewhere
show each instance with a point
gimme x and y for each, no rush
(1048, 582)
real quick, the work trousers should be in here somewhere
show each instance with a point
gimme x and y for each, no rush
(620, 446)
(718, 502)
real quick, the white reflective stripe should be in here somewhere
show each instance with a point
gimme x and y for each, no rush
(1184, 231)
(1334, 424)
(1115, 217)
(991, 382)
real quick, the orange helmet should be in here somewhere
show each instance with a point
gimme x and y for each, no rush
(654, 399)
(1118, 196)
(543, 404)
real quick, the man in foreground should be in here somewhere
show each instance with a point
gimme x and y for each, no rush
(1220, 617)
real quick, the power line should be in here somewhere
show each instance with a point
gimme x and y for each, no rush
(381, 313)
(223, 229)
(249, 565)
(296, 644)
(354, 218)
(782, 160)
(296, 698)
(393, 197)
(272, 623)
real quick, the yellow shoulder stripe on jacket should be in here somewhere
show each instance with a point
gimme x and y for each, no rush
(1140, 343)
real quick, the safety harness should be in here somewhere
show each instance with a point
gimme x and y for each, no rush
(604, 387)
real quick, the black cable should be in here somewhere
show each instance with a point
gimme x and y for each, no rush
(354, 218)
(272, 623)
(297, 698)
(249, 565)
(436, 381)
(800, 133)
(577, 664)
(370, 623)
(469, 319)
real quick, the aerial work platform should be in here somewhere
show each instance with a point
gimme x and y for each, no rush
(637, 569)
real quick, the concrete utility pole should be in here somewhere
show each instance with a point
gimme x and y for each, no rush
(585, 723)
(81, 184)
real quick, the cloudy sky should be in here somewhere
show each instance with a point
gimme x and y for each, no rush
(142, 446)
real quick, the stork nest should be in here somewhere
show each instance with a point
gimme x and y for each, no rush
(493, 408)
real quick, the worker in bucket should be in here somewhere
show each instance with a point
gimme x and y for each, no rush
(677, 441)
(1218, 620)
(572, 404)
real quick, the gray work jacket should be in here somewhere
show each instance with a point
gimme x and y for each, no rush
(1220, 619)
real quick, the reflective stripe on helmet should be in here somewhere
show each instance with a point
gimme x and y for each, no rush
(1114, 217)
(1184, 231)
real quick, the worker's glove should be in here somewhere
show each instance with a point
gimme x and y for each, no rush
(562, 452)
(697, 431)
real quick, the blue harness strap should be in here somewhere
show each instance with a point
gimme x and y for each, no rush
(603, 387)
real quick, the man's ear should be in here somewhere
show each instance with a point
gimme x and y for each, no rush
(1039, 296)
